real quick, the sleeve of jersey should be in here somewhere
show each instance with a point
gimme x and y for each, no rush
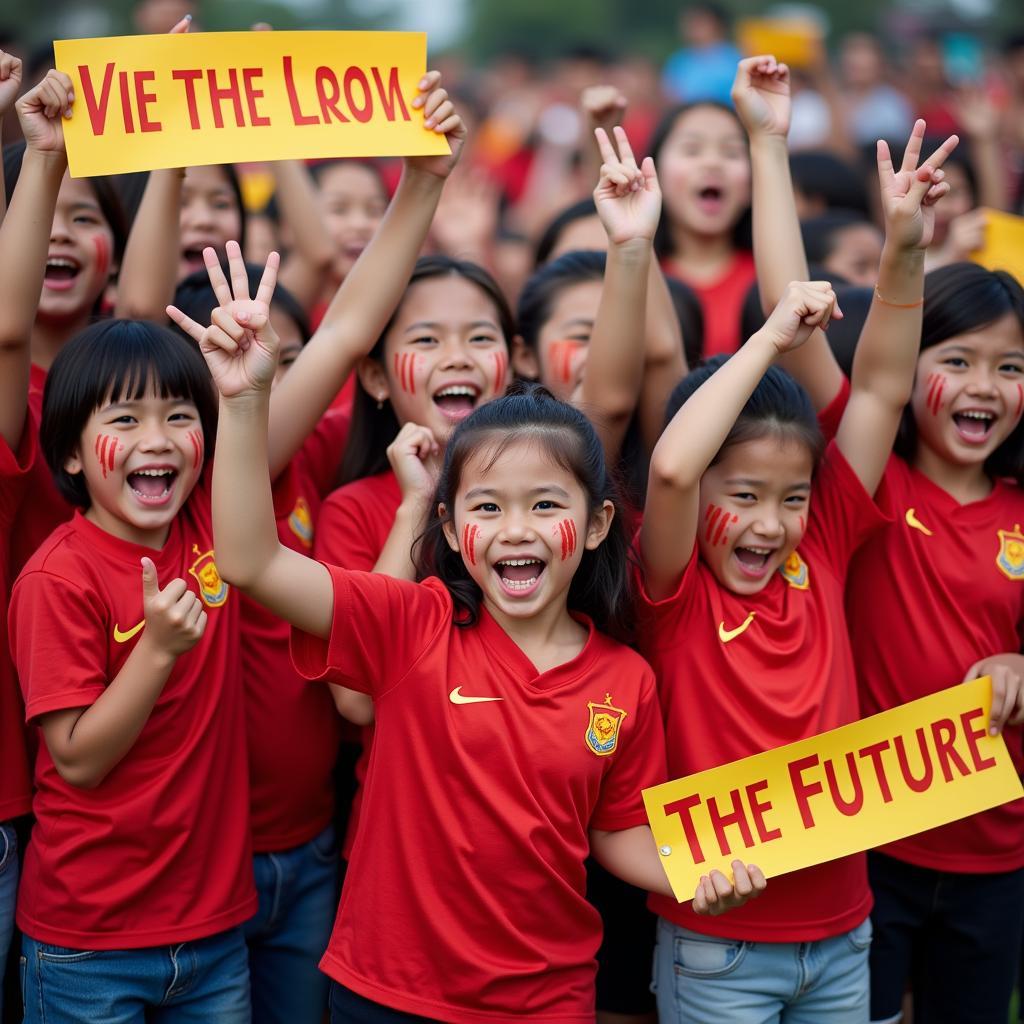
(658, 622)
(15, 467)
(341, 538)
(842, 514)
(321, 453)
(638, 763)
(58, 641)
(831, 416)
(380, 629)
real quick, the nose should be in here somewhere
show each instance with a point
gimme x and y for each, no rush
(456, 354)
(982, 383)
(154, 438)
(197, 214)
(59, 230)
(516, 528)
(768, 523)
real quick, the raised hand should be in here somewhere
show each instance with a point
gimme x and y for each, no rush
(716, 894)
(415, 458)
(240, 346)
(10, 81)
(761, 95)
(40, 111)
(175, 617)
(910, 194)
(628, 197)
(804, 306)
(603, 106)
(439, 116)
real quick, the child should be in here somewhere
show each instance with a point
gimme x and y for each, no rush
(524, 522)
(934, 599)
(745, 563)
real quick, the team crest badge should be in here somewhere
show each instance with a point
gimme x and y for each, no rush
(212, 589)
(795, 572)
(1010, 559)
(603, 728)
(301, 522)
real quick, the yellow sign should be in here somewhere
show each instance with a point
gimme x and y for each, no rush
(1004, 244)
(892, 775)
(143, 102)
(792, 41)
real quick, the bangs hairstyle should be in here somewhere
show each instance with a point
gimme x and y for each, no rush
(116, 360)
(530, 413)
(373, 429)
(961, 298)
(743, 230)
(553, 232)
(545, 285)
(779, 407)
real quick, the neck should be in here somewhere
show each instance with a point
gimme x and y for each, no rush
(549, 638)
(965, 483)
(701, 255)
(50, 336)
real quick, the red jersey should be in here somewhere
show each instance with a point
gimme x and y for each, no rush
(739, 674)
(466, 902)
(15, 779)
(721, 302)
(159, 852)
(939, 589)
(353, 528)
(293, 728)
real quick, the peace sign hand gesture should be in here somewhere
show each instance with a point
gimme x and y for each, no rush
(909, 195)
(628, 197)
(240, 346)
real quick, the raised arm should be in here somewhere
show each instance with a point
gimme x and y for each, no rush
(10, 85)
(761, 93)
(305, 269)
(886, 356)
(25, 240)
(701, 425)
(628, 202)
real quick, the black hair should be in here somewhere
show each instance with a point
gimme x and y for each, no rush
(743, 229)
(373, 429)
(778, 407)
(690, 314)
(553, 232)
(116, 358)
(824, 176)
(753, 316)
(529, 412)
(545, 284)
(820, 234)
(321, 167)
(103, 188)
(195, 297)
(960, 298)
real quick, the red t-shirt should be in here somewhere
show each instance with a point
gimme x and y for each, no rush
(353, 528)
(159, 852)
(293, 728)
(467, 901)
(939, 589)
(721, 302)
(15, 778)
(787, 676)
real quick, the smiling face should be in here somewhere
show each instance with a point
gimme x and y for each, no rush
(521, 522)
(209, 215)
(353, 202)
(80, 256)
(141, 458)
(564, 337)
(444, 355)
(753, 510)
(969, 392)
(704, 169)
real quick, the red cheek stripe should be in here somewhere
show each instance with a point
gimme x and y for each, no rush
(500, 368)
(803, 526)
(562, 355)
(718, 521)
(405, 371)
(105, 448)
(102, 256)
(469, 535)
(1020, 400)
(567, 529)
(196, 438)
(936, 383)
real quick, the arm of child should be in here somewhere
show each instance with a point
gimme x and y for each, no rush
(10, 86)
(304, 271)
(761, 93)
(628, 202)
(695, 435)
(632, 855)
(86, 744)
(886, 356)
(372, 289)
(25, 240)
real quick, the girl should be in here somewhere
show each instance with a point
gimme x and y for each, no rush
(524, 521)
(746, 540)
(940, 585)
(701, 154)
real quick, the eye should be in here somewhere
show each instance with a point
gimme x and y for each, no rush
(744, 496)
(484, 339)
(181, 417)
(124, 419)
(547, 505)
(796, 500)
(424, 339)
(957, 362)
(485, 506)
(86, 218)
(1011, 368)
(287, 360)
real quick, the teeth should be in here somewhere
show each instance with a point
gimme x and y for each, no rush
(977, 415)
(519, 584)
(153, 472)
(519, 561)
(59, 261)
(457, 389)
(758, 551)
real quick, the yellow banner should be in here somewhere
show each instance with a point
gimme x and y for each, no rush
(791, 40)
(1003, 248)
(892, 775)
(143, 102)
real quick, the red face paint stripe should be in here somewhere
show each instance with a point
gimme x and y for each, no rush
(469, 533)
(572, 526)
(803, 526)
(105, 440)
(96, 446)
(102, 256)
(1020, 399)
(723, 522)
(565, 540)
(730, 519)
(500, 366)
(714, 511)
(110, 453)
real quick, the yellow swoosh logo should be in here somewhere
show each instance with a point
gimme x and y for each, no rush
(725, 635)
(916, 524)
(124, 637)
(456, 697)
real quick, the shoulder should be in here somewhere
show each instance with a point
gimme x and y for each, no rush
(370, 490)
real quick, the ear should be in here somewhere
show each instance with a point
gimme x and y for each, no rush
(600, 524)
(524, 360)
(73, 463)
(448, 525)
(373, 379)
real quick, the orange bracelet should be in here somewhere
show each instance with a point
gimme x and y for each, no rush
(898, 305)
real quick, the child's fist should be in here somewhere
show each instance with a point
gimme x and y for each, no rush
(175, 618)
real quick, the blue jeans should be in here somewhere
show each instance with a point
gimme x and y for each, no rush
(348, 1007)
(298, 894)
(8, 896)
(187, 983)
(702, 979)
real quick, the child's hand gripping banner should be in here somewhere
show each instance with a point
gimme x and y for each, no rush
(892, 775)
(143, 102)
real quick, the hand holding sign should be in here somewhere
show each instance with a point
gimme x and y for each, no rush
(40, 111)
(1007, 672)
(440, 117)
(716, 894)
